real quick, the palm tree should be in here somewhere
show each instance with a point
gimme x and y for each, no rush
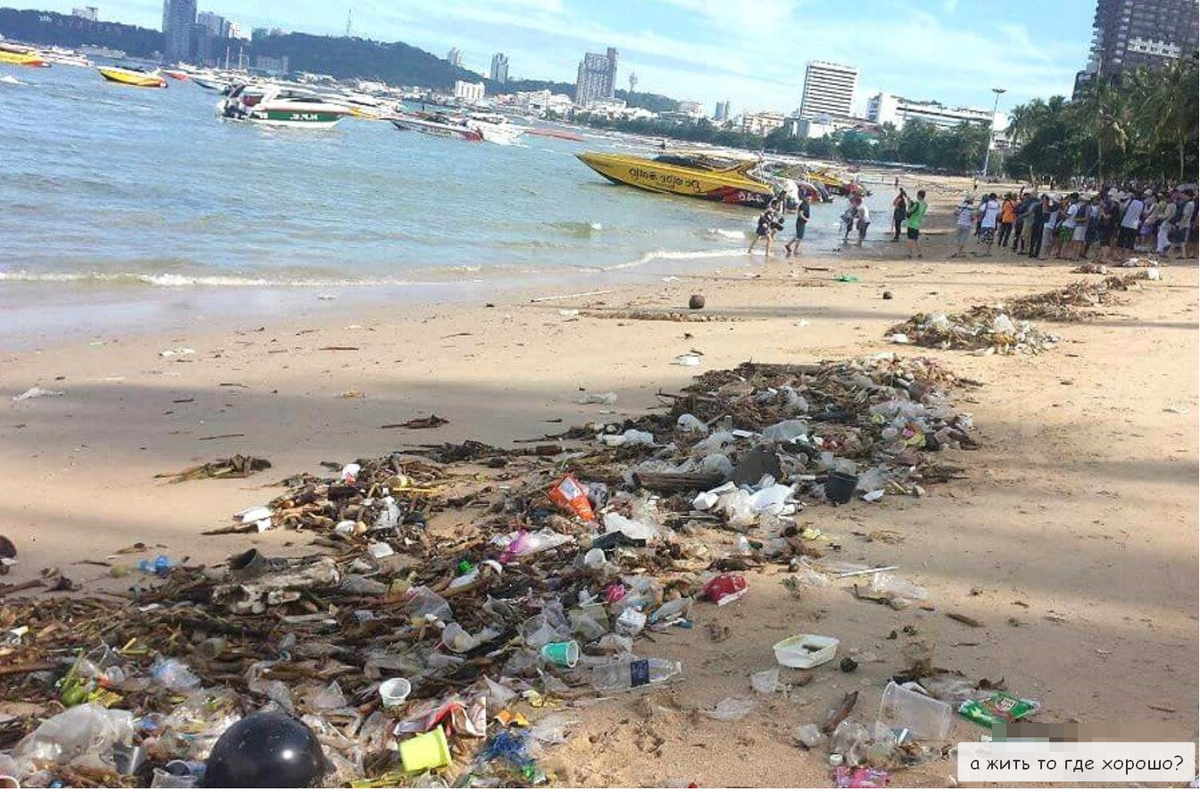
(1167, 106)
(1101, 114)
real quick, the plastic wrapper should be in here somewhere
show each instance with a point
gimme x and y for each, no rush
(730, 709)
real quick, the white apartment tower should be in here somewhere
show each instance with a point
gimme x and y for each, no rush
(829, 89)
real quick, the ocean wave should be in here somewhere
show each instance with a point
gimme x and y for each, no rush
(719, 233)
(177, 281)
(578, 229)
(675, 255)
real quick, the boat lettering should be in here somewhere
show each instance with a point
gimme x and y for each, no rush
(647, 175)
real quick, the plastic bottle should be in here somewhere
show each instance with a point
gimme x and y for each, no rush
(634, 673)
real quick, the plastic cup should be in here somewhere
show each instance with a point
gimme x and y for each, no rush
(429, 750)
(394, 692)
(564, 654)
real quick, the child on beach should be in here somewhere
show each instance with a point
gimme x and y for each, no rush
(768, 223)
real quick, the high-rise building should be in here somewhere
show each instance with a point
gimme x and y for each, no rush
(454, 57)
(1127, 34)
(202, 48)
(259, 33)
(500, 68)
(828, 89)
(722, 111)
(90, 13)
(178, 18)
(217, 25)
(597, 77)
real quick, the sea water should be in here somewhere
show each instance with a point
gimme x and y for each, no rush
(105, 189)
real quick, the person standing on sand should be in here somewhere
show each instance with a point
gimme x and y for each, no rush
(964, 219)
(916, 215)
(1166, 224)
(803, 214)
(863, 217)
(765, 229)
(1188, 220)
(1008, 217)
(899, 213)
(1131, 219)
(1024, 226)
(1075, 228)
(989, 212)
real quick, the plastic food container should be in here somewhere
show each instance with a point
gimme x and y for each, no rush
(805, 651)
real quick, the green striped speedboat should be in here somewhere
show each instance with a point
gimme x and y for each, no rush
(273, 106)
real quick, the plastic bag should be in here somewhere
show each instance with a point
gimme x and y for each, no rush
(785, 431)
(885, 583)
(690, 423)
(638, 530)
(87, 731)
(175, 676)
(765, 682)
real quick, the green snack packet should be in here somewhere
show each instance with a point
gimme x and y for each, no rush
(1001, 708)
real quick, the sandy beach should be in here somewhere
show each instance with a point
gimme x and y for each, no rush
(1072, 538)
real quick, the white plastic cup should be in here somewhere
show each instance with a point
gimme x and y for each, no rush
(926, 718)
(394, 692)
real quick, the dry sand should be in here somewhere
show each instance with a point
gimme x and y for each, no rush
(1073, 539)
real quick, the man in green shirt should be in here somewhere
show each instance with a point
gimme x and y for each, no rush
(916, 215)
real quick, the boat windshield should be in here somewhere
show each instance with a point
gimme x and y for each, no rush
(702, 161)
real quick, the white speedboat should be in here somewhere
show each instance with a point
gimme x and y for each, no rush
(273, 106)
(437, 124)
(496, 128)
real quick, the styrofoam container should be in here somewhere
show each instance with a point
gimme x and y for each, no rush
(805, 651)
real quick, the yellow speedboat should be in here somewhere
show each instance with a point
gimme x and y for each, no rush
(699, 175)
(10, 55)
(133, 76)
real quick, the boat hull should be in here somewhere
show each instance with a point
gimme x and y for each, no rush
(132, 79)
(296, 119)
(726, 187)
(437, 129)
(22, 59)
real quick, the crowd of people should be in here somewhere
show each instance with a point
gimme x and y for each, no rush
(1108, 226)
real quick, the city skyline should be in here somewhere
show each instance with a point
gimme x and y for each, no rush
(707, 51)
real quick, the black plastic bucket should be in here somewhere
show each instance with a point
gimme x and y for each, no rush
(839, 487)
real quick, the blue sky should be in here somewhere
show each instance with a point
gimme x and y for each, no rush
(752, 52)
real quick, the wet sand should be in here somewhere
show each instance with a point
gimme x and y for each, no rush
(1073, 538)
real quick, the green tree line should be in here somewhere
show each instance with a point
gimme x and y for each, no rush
(1140, 128)
(959, 150)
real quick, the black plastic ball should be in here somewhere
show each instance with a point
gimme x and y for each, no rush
(266, 750)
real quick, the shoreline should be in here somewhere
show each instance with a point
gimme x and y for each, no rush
(1077, 445)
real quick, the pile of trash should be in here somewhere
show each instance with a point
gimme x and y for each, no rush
(1079, 301)
(461, 598)
(913, 725)
(984, 330)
